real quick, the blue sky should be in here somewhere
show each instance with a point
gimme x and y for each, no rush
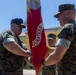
(17, 8)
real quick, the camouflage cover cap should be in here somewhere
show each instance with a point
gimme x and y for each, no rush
(64, 7)
(52, 36)
(18, 21)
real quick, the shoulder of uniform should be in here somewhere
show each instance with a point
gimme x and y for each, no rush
(68, 25)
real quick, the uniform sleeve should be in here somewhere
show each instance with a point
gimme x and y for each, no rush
(67, 32)
(65, 36)
(7, 38)
(63, 42)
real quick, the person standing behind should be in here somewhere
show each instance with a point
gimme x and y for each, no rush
(12, 53)
(65, 52)
(50, 70)
(51, 40)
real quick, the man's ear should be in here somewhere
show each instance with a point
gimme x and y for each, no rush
(67, 13)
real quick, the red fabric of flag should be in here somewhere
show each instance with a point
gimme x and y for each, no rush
(36, 33)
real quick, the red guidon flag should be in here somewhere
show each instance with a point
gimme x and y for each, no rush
(36, 33)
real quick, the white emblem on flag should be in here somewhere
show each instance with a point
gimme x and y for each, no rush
(38, 35)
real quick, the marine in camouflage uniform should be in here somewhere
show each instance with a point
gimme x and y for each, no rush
(50, 70)
(65, 52)
(10, 64)
(68, 64)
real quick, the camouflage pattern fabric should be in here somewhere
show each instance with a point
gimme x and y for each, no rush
(49, 70)
(10, 64)
(67, 65)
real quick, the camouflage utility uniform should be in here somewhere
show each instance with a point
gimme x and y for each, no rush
(49, 70)
(67, 65)
(10, 64)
